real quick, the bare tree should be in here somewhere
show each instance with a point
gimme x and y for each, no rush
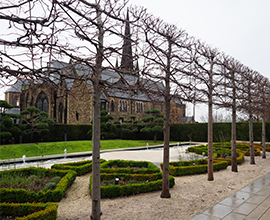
(163, 53)
(51, 30)
(207, 73)
(229, 98)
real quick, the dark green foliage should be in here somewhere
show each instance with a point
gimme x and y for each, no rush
(5, 105)
(149, 183)
(21, 195)
(29, 211)
(153, 123)
(105, 128)
(179, 132)
(33, 121)
(219, 149)
(191, 167)
(81, 167)
(128, 166)
(133, 117)
(8, 130)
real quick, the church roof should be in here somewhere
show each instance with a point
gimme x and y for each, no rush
(71, 71)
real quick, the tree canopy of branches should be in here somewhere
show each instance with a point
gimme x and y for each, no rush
(91, 35)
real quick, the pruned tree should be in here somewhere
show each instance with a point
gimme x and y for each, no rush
(45, 31)
(34, 121)
(163, 55)
(229, 97)
(207, 72)
(154, 122)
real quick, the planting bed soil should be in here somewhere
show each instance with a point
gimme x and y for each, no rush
(30, 183)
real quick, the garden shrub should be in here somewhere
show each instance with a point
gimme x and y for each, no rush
(182, 168)
(22, 195)
(80, 167)
(240, 158)
(128, 166)
(29, 211)
(149, 183)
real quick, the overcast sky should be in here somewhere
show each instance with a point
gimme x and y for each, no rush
(239, 28)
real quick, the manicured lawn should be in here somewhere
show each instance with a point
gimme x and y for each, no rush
(51, 148)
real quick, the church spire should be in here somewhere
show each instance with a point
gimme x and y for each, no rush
(127, 61)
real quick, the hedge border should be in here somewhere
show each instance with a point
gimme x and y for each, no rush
(22, 196)
(106, 167)
(80, 167)
(183, 168)
(30, 211)
(241, 151)
(153, 182)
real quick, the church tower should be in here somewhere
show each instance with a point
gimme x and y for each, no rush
(127, 58)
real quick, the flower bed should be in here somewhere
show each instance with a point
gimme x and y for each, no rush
(147, 183)
(128, 166)
(191, 167)
(21, 195)
(80, 167)
(29, 211)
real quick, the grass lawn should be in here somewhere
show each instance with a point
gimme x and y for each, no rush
(51, 148)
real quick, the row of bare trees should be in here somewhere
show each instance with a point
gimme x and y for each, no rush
(91, 34)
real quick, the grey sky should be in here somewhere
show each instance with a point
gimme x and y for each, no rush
(239, 28)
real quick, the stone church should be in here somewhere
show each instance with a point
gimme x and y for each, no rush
(69, 100)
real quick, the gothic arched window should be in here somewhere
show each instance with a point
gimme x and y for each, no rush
(112, 106)
(120, 106)
(42, 102)
(60, 110)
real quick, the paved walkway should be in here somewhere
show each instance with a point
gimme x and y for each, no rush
(251, 202)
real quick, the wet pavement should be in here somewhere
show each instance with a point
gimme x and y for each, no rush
(251, 202)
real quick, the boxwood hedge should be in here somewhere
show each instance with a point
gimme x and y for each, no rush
(128, 166)
(148, 183)
(29, 211)
(80, 167)
(182, 168)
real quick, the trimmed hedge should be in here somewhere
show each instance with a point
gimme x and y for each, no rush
(191, 167)
(29, 211)
(22, 196)
(127, 166)
(80, 167)
(220, 148)
(151, 182)
(240, 158)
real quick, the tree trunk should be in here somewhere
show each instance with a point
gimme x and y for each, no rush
(234, 154)
(210, 126)
(166, 151)
(263, 137)
(251, 144)
(96, 125)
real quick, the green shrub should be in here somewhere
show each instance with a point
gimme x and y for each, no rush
(22, 196)
(80, 167)
(149, 183)
(191, 167)
(29, 211)
(128, 166)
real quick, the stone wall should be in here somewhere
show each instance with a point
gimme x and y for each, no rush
(79, 104)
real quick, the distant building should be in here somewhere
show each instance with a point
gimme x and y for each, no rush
(69, 101)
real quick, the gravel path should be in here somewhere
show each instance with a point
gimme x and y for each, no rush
(190, 196)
